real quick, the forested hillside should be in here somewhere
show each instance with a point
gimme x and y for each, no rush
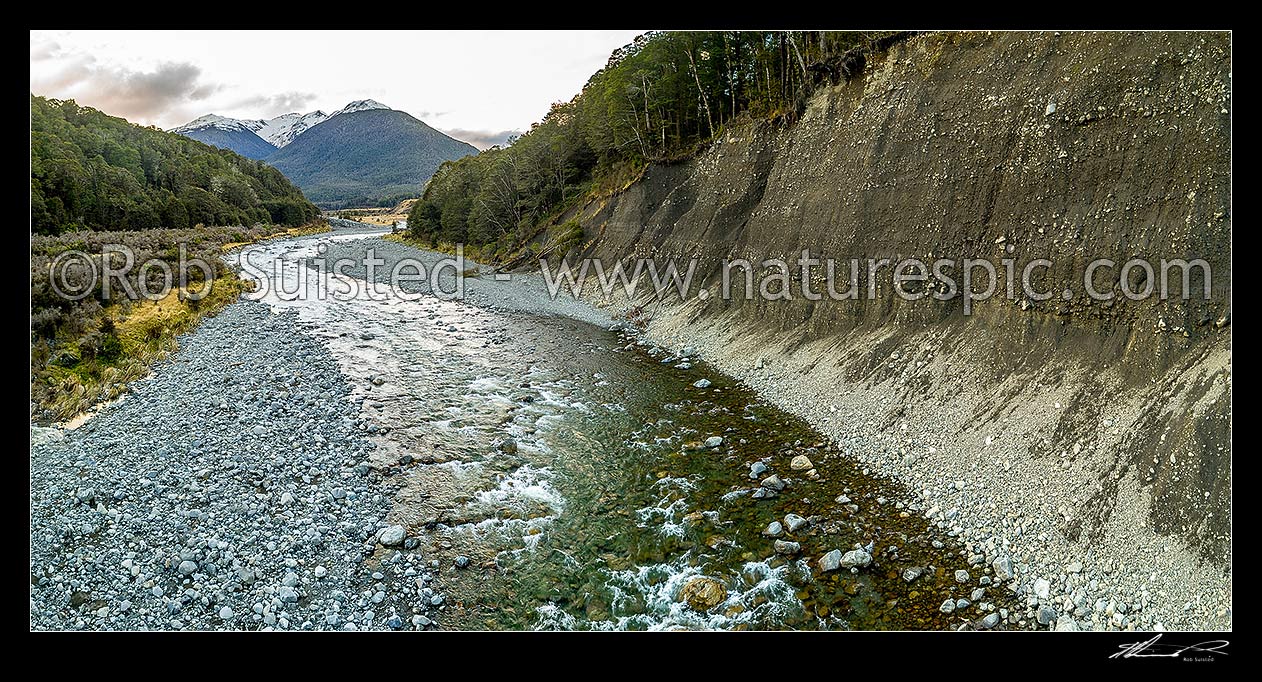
(658, 99)
(94, 171)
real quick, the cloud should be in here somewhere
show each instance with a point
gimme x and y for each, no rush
(267, 106)
(141, 96)
(41, 51)
(482, 139)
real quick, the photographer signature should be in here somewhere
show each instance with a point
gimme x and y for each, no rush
(1152, 649)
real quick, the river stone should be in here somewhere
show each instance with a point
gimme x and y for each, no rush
(187, 567)
(990, 621)
(1042, 588)
(773, 529)
(787, 548)
(1066, 624)
(703, 593)
(714, 441)
(1003, 568)
(701, 383)
(773, 482)
(856, 558)
(961, 576)
(757, 469)
(392, 536)
(795, 523)
(1045, 615)
(948, 606)
(830, 561)
(912, 573)
(801, 463)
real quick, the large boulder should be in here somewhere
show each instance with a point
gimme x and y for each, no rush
(703, 593)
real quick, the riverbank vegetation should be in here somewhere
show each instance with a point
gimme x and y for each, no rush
(86, 351)
(660, 99)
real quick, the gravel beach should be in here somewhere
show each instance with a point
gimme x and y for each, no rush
(227, 490)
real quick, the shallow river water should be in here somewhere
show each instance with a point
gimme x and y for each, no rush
(567, 464)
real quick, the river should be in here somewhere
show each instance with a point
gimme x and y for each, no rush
(559, 471)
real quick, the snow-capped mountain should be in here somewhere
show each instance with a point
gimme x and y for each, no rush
(220, 122)
(282, 130)
(360, 105)
(229, 133)
(360, 155)
(278, 131)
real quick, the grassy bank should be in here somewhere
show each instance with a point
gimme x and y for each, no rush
(87, 351)
(386, 216)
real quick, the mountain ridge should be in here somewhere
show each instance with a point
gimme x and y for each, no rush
(277, 131)
(366, 156)
(372, 154)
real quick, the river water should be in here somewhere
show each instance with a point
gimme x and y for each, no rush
(567, 464)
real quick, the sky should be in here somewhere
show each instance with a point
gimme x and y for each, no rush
(477, 86)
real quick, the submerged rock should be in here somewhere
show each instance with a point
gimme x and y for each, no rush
(855, 558)
(703, 593)
(830, 561)
(786, 547)
(795, 523)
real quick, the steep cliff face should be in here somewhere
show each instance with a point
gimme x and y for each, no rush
(1071, 147)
